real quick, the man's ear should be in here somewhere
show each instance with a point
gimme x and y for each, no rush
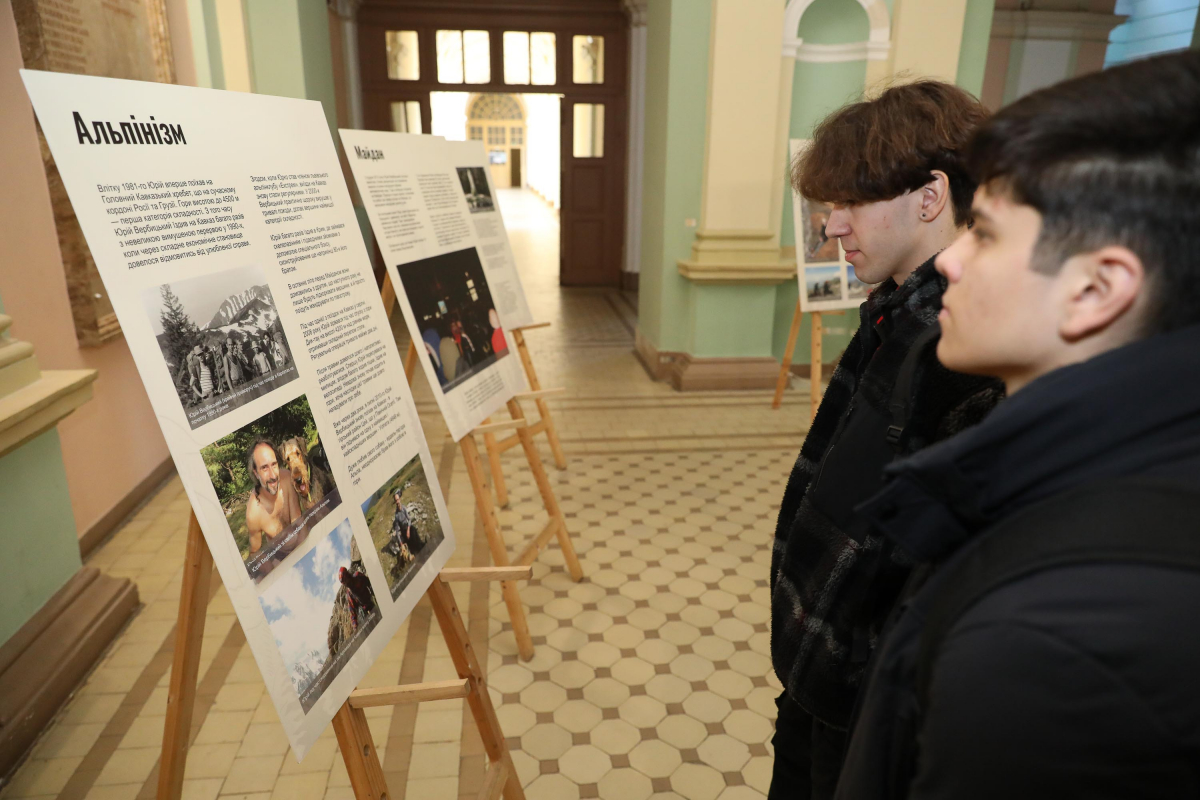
(1102, 288)
(934, 195)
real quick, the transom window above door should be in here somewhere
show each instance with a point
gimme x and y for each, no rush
(403, 62)
(463, 57)
(529, 58)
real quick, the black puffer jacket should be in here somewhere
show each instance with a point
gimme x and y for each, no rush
(831, 589)
(1075, 682)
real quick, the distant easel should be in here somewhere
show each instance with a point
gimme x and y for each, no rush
(495, 449)
(350, 722)
(557, 525)
(818, 333)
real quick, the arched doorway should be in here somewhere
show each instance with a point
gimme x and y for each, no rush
(498, 120)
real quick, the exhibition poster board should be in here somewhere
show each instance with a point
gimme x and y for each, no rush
(444, 246)
(827, 280)
(225, 236)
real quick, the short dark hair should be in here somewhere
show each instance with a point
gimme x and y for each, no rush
(879, 149)
(1110, 158)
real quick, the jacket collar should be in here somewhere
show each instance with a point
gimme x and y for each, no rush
(1124, 412)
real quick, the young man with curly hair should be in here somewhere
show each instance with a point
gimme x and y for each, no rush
(893, 172)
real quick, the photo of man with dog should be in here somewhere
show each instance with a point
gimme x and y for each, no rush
(453, 305)
(274, 484)
(221, 340)
(404, 524)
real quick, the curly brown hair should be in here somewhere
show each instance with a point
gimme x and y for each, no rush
(882, 148)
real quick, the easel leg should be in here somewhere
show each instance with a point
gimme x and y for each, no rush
(786, 367)
(495, 467)
(189, 630)
(491, 527)
(560, 460)
(358, 751)
(818, 333)
(547, 491)
(455, 632)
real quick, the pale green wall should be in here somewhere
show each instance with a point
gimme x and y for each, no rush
(290, 54)
(676, 101)
(972, 59)
(37, 538)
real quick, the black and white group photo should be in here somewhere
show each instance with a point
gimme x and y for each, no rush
(221, 340)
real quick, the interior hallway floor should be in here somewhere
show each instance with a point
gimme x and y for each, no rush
(651, 678)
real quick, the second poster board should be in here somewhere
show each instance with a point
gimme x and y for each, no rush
(827, 280)
(434, 212)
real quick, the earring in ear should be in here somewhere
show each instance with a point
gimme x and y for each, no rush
(924, 215)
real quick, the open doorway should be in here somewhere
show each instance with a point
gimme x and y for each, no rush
(522, 79)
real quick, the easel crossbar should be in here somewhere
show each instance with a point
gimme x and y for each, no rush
(412, 693)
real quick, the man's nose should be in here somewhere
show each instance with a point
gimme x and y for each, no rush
(838, 223)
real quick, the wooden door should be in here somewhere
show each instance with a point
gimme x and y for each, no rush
(515, 157)
(592, 214)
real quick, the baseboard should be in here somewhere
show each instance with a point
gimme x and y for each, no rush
(690, 374)
(90, 539)
(629, 281)
(687, 373)
(43, 662)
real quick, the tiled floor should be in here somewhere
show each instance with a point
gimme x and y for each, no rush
(651, 677)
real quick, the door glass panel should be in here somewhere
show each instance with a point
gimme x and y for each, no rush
(402, 61)
(541, 58)
(406, 116)
(587, 59)
(589, 131)
(477, 60)
(516, 57)
(449, 56)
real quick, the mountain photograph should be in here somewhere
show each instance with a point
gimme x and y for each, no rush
(240, 353)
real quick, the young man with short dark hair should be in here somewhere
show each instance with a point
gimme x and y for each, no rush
(1047, 644)
(891, 169)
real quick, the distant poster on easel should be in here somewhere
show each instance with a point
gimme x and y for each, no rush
(444, 246)
(827, 280)
(224, 233)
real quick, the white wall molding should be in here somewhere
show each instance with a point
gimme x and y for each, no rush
(875, 47)
(836, 53)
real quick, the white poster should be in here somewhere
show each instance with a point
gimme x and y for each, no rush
(227, 242)
(827, 280)
(444, 246)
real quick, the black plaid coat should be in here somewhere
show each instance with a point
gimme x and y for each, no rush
(831, 594)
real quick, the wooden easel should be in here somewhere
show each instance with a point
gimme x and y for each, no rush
(817, 335)
(557, 524)
(350, 722)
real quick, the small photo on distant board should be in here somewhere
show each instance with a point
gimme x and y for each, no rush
(404, 524)
(823, 284)
(320, 612)
(220, 339)
(476, 189)
(455, 313)
(856, 289)
(818, 246)
(274, 483)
